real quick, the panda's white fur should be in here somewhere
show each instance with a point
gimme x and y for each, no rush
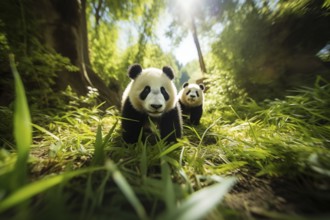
(151, 95)
(191, 94)
(155, 78)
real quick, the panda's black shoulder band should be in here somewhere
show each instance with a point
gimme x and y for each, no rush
(168, 71)
(134, 70)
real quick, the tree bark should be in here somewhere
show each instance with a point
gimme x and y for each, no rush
(198, 47)
(64, 29)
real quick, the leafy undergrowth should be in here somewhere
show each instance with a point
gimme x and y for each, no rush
(252, 161)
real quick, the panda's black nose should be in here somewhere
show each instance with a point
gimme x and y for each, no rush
(192, 96)
(156, 106)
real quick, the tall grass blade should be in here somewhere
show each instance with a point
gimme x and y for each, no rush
(98, 157)
(22, 128)
(144, 159)
(126, 190)
(168, 150)
(206, 130)
(109, 135)
(37, 187)
(201, 202)
(45, 131)
(169, 195)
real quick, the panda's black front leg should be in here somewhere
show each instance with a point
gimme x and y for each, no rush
(131, 130)
(132, 123)
(171, 125)
(196, 114)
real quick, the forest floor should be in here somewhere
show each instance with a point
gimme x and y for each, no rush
(279, 198)
(252, 197)
(270, 161)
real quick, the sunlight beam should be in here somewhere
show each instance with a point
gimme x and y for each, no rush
(186, 5)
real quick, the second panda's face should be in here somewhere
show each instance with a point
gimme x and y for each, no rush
(192, 94)
(152, 92)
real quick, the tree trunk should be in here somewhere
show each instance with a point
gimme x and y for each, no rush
(64, 29)
(198, 47)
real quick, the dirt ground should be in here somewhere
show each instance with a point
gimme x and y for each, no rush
(280, 198)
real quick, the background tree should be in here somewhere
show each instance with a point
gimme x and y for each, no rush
(60, 27)
(153, 56)
(200, 18)
(272, 48)
(184, 15)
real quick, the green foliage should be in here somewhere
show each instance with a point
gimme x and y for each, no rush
(107, 59)
(6, 127)
(223, 88)
(41, 70)
(68, 141)
(127, 191)
(279, 136)
(28, 191)
(22, 131)
(191, 70)
(13, 178)
(38, 65)
(99, 157)
(119, 10)
(201, 202)
(326, 3)
(206, 15)
(153, 57)
(101, 176)
(265, 48)
(104, 52)
(248, 27)
(78, 165)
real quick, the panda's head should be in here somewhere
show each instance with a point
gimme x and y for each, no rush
(151, 90)
(192, 94)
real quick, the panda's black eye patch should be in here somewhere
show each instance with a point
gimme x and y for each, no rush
(145, 92)
(197, 93)
(165, 94)
(187, 93)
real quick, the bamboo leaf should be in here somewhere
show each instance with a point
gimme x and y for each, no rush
(201, 202)
(45, 131)
(22, 120)
(126, 190)
(109, 135)
(98, 157)
(144, 159)
(169, 150)
(22, 129)
(37, 187)
(169, 195)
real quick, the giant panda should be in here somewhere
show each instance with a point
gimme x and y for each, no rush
(151, 95)
(191, 98)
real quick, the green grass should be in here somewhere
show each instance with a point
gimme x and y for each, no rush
(79, 167)
(22, 131)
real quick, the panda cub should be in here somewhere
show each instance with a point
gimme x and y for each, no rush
(151, 95)
(191, 98)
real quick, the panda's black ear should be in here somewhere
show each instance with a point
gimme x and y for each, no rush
(185, 85)
(134, 70)
(168, 71)
(202, 86)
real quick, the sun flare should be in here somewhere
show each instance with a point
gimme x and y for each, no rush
(186, 5)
